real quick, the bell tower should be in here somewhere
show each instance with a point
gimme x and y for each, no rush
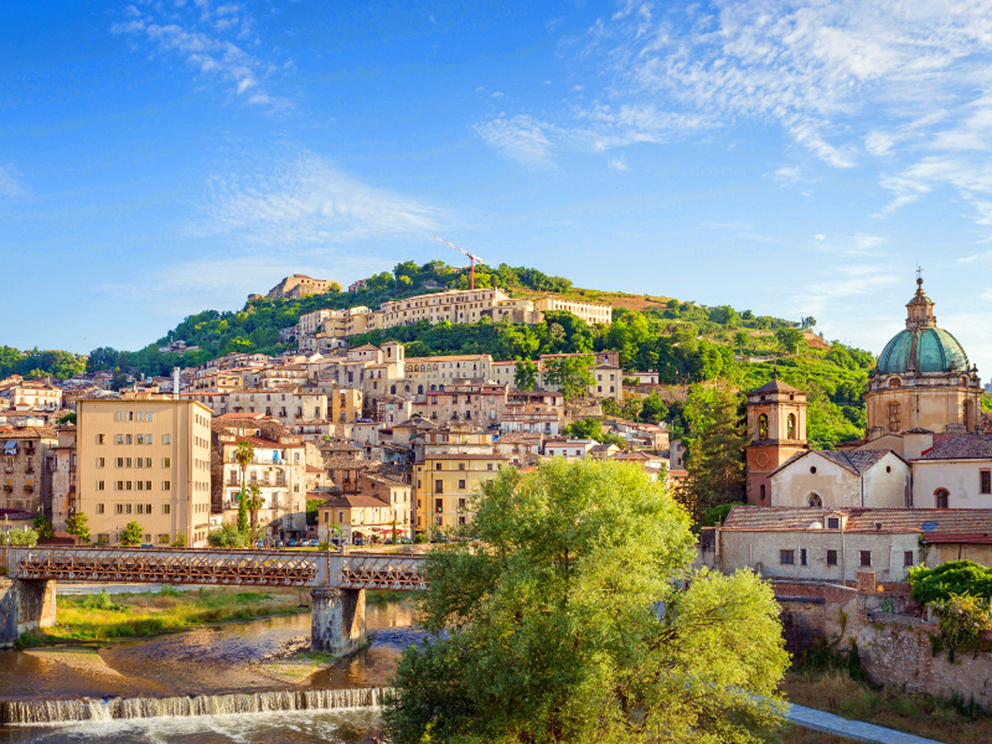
(776, 425)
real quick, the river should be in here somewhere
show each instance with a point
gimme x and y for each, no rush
(229, 658)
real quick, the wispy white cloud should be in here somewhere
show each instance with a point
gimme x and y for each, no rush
(207, 280)
(309, 201)
(212, 40)
(521, 138)
(844, 282)
(10, 182)
(618, 164)
(903, 86)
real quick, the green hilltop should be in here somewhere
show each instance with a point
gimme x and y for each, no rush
(685, 342)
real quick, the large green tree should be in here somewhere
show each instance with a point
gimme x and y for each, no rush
(716, 442)
(571, 375)
(131, 534)
(571, 614)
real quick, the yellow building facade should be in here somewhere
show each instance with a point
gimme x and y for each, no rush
(145, 460)
(444, 485)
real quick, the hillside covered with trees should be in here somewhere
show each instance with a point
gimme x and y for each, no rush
(686, 343)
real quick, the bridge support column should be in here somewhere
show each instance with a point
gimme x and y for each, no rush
(24, 606)
(337, 623)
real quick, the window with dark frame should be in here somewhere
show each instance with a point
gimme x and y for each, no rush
(907, 558)
(787, 557)
(865, 557)
(985, 481)
(831, 557)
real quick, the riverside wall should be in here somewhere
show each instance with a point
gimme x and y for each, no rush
(894, 646)
(24, 606)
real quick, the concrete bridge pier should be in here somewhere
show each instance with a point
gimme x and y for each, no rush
(337, 623)
(26, 605)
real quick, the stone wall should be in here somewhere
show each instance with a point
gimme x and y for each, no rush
(895, 649)
(24, 606)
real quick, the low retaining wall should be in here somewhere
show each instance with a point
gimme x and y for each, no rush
(894, 649)
(24, 606)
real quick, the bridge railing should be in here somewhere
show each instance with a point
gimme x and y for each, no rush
(172, 566)
(398, 572)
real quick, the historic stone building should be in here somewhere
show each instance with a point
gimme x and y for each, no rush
(922, 379)
(776, 424)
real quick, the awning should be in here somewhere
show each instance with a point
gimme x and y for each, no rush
(10, 446)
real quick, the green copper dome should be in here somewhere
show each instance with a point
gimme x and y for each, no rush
(922, 349)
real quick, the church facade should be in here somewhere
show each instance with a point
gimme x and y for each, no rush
(922, 447)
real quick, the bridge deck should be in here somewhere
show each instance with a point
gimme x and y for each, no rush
(399, 572)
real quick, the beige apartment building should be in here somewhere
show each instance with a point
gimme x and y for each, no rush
(592, 313)
(145, 460)
(434, 372)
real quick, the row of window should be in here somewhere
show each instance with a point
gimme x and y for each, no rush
(133, 439)
(134, 416)
(788, 558)
(133, 462)
(126, 485)
(162, 539)
(133, 508)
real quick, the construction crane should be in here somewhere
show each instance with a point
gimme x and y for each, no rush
(472, 258)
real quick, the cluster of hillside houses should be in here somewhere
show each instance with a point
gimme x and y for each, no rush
(389, 446)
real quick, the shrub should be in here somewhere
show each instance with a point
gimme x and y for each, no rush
(962, 620)
(226, 537)
(27, 537)
(957, 578)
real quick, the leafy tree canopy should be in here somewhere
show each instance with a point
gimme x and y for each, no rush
(562, 619)
(132, 534)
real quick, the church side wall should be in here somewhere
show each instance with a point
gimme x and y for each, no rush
(887, 489)
(961, 479)
(836, 486)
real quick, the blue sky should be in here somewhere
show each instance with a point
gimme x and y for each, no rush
(161, 158)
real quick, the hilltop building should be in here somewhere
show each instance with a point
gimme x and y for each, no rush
(301, 285)
(319, 330)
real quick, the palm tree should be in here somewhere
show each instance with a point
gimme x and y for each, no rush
(244, 453)
(255, 502)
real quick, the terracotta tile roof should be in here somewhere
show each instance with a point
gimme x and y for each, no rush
(29, 432)
(960, 447)
(354, 500)
(855, 461)
(776, 386)
(749, 518)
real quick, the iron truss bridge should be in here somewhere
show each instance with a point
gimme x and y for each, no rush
(217, 567)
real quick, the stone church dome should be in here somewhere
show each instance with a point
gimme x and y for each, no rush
(922, 346)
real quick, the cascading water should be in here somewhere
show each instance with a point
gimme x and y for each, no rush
(46, 712)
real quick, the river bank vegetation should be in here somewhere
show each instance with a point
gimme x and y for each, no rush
(103, 616)
(836, 691)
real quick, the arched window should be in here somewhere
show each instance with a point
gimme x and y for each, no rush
(763, 426)
(762, 491)
(420, 389)
(814, 500)
(941, 495)
(894, 382)
(790, 426)
(392, 389)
